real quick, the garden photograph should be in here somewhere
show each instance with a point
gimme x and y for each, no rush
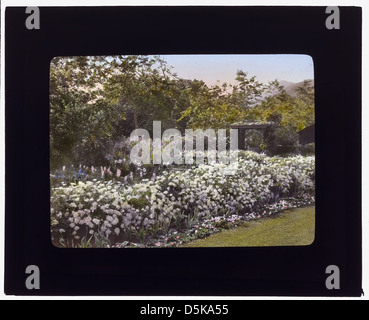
(182, 151)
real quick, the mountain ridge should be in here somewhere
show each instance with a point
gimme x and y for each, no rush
(291, 87)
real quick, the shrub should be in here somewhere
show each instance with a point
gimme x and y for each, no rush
(282, 141)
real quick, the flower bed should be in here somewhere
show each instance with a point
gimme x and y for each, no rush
(165, 211)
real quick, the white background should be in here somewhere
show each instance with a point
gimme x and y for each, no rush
(365, 121)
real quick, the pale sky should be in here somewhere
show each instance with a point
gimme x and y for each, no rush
(210, 68)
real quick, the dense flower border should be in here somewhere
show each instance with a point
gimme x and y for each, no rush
(178, 206)
(217, 224)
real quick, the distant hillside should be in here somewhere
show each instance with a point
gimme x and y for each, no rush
(291, 87)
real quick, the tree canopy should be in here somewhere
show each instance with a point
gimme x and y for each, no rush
(97, 100)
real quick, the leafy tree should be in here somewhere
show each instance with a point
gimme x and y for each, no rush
(222, 105)
(72, 90)
(248, 91)
(296, 112)
(210, 107)
(96, 100)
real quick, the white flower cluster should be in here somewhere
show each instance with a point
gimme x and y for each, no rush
(114, 208)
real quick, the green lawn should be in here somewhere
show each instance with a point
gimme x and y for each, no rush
(290, 228)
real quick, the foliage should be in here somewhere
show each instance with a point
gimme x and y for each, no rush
(221, 105)
(96, 101)
(294, 112)
(282, 141)
(210, 107)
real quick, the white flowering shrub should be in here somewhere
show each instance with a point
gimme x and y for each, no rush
(113, 211)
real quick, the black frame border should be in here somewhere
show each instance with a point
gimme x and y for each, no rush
(273, 271)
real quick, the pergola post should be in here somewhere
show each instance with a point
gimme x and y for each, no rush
(241, 139)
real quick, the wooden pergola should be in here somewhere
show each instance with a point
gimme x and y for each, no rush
(243, 127)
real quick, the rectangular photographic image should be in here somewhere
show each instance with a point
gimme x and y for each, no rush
(182, 151)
